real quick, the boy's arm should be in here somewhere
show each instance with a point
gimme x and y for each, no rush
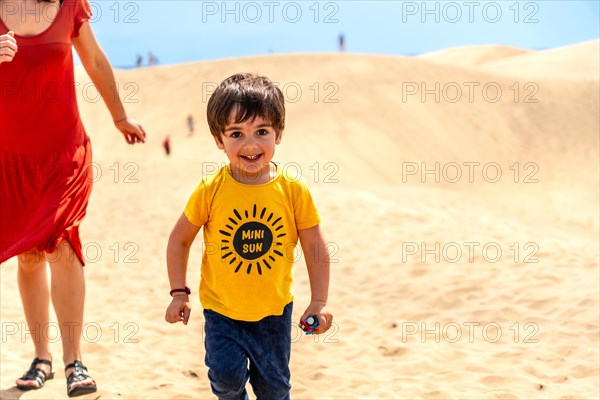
(178, 252)
(317, 262)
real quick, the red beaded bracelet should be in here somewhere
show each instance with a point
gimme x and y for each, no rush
(184, 289)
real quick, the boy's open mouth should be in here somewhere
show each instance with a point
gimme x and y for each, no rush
(251, 157)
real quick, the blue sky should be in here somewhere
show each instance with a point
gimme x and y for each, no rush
(183, 31)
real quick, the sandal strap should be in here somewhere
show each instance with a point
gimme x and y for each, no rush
(77, 364)
(79, 372)
(37, 374)
(41, 361)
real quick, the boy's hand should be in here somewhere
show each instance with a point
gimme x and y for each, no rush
(325, 318)
(179, 310)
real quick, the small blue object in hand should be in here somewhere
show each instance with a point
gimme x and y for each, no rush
(309, 325)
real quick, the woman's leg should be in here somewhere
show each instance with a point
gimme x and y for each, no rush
(68, 297)
(35, 296)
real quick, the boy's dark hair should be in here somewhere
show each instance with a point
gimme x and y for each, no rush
(253, 95)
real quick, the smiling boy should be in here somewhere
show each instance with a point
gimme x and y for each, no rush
(253, 215)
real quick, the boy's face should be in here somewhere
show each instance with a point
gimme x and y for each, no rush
(250, 147)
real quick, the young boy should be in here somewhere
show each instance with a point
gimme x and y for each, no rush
(253, 215)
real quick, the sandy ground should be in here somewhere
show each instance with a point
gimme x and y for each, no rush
(459, 196)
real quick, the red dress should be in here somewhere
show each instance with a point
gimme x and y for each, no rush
(45, 154)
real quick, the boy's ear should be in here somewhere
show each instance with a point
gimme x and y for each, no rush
(219, 142)
(278, 137)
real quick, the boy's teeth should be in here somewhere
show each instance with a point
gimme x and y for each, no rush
(252, 157)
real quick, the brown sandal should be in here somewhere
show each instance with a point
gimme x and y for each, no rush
(36, 374)
(79, 374)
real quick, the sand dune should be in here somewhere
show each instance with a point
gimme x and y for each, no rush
(561, 63)
(476, 285)
(475, 55)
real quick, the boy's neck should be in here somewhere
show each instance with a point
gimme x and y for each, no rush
(265, 175)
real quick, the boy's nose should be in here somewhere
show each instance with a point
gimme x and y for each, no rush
(250, 143)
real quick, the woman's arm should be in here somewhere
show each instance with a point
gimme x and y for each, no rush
(98, 68)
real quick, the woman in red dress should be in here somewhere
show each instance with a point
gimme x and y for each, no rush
(45, 179)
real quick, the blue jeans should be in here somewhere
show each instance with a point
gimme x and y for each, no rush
(238, 350)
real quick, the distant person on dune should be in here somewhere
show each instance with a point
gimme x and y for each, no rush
(190, 124)
(45, 174)
(342, 42)
(167, 145)
(255, 212)
(152, 60)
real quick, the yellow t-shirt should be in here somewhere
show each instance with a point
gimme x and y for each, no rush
(250, 236)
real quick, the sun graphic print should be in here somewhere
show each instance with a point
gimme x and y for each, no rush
(252, 240)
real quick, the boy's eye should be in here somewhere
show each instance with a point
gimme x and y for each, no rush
(263, 132)
(236, 134)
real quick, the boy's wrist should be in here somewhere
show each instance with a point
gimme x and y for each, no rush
(184, 290)
(323, 302)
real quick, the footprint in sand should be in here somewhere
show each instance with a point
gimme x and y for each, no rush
(397, 351)
(190, 374)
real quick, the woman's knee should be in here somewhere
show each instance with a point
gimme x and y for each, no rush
(63, 256)
(32, 261)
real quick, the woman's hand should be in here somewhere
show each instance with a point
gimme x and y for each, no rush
(8, 47)
(131, 130)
